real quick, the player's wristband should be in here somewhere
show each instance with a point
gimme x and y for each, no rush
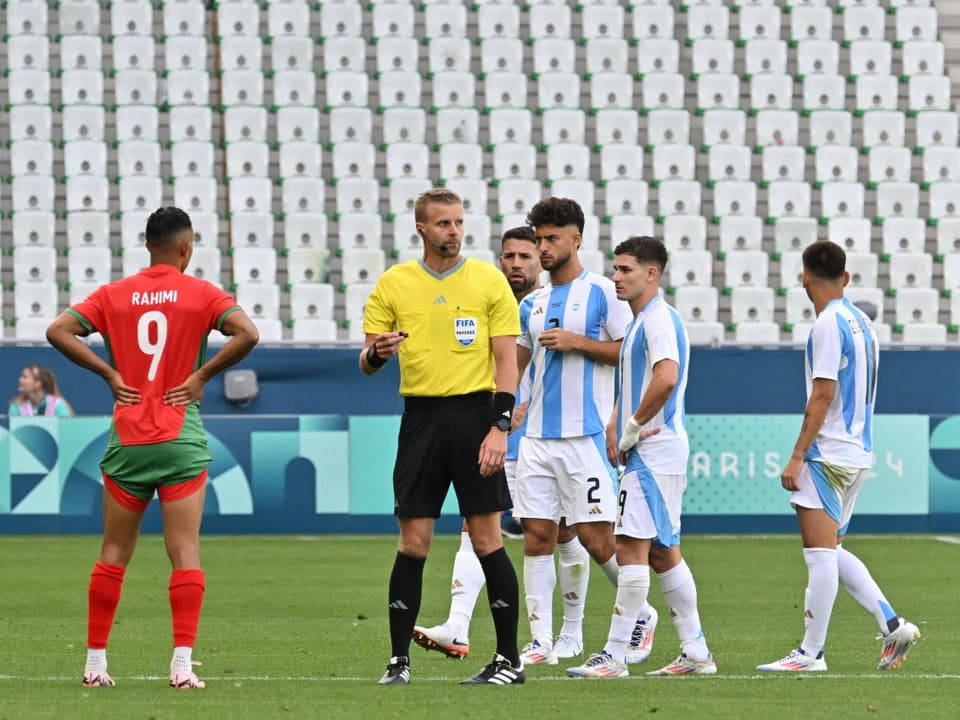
(374, 360)
(631, 435)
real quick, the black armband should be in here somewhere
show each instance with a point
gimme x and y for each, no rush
(503, 403)
(374, 360)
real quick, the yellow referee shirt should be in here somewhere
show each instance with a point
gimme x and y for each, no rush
(450, 319)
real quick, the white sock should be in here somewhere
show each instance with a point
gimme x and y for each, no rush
(680, 592)
(574, 575)
(182, 659)
(861, 586)
(632, 589)
(822, 583)
(539, 580)
(465, 586)
(97, 658)
(611, 569)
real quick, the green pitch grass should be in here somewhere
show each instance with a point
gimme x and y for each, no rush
(297, 628)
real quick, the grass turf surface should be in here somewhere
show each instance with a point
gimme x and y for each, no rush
(297, 626)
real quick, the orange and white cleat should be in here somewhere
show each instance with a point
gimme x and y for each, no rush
(442, 638)
(96, 678)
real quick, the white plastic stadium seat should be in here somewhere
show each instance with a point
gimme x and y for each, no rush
(184, 18)
(751, 305)
(255, 265)
(34, 264)
(305, 230)
(788, 199)
(33, 228)
(916, 305)
(853, 234)
(259, 300)
(697, 304)
(911, 270)
(670, 126)
(693, 267)
(679, 197)
(831, 127)
(251, 229)
(238, 18)
(31, 157)
(680, 232)
(33, 192)
(818, 56)
(35, 300)
(793, 233)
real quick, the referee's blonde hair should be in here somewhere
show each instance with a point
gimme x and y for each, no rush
(433, 195)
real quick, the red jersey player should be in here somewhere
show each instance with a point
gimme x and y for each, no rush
(154, 326)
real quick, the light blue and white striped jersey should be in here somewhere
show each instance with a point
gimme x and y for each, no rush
(843, 346)
(571, 394)
(656, 333)
(513, 439)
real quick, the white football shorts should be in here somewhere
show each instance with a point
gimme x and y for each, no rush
(650, 505)
(830, 488)
(565, 477)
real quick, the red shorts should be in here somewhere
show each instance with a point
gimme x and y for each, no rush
(166, 493)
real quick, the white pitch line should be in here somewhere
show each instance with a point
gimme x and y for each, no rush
(416, 678)
(947, 539)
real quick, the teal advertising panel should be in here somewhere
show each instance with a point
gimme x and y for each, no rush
(736, 460)
(333, 473)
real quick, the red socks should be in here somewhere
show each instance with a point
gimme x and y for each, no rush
(186, 597)
(103, 596)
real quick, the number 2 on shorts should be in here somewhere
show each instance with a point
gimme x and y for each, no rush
(594, 484)
(153, 349)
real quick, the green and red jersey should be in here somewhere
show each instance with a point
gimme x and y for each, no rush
(154, 326)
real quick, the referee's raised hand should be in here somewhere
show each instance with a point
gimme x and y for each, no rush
(383, 347)
(388, 344)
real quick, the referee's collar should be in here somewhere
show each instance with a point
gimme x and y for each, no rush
(444, 275)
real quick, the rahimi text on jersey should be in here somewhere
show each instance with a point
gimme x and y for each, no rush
(157, 297)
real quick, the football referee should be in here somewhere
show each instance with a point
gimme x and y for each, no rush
(452, 322)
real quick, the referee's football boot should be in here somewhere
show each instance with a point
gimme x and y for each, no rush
(499, 672)
(398, 672)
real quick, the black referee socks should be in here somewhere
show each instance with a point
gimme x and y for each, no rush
(504, 595)
(406, 586)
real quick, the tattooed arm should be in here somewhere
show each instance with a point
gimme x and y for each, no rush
(813, 417)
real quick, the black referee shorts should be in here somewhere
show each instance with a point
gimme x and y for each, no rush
(439, 443)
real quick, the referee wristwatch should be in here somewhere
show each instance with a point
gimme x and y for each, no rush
(502, 423)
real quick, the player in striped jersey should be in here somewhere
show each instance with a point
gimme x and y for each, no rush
(647, 433)
(570, 342)
(831, 460)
